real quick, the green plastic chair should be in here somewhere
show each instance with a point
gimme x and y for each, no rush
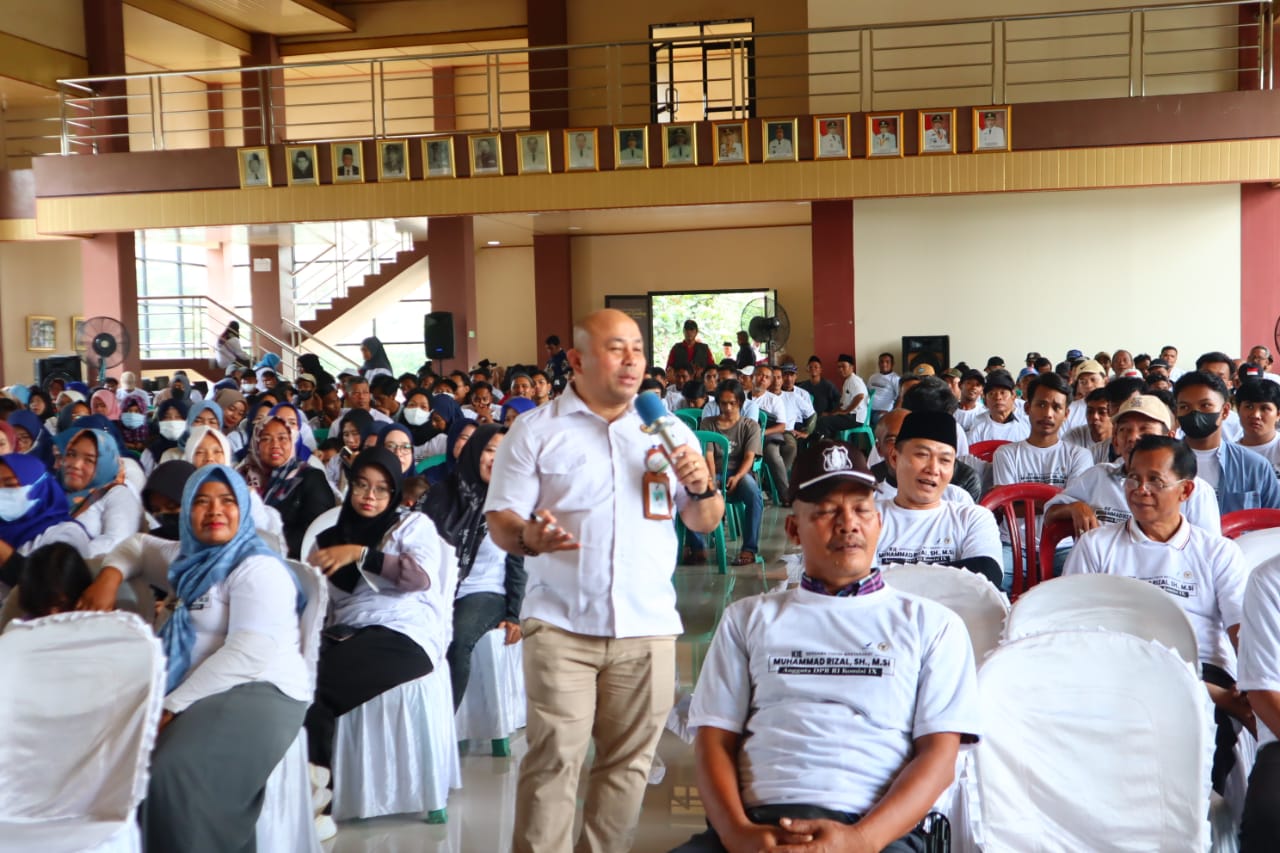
(863, 430)
(718, 535)
(689, 420)
(763, 475)
(429, 462)
(701, 599)
(321, 434)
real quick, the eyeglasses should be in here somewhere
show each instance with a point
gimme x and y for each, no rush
(399, 448)
(1134, 483)
(275, 439)
(361, 487)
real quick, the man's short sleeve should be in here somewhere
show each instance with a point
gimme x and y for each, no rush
(981, 535)
(1002, 466)
(722, 698)
(751, 441)
(1082, 560)
(947, 694)
(1229, 579)
(1260, 630)
(514, 483)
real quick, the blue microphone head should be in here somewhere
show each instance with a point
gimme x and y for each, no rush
(650, 408)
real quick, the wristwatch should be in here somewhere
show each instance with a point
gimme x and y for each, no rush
(709, 493)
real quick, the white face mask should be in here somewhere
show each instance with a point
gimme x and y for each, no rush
(173, 430)
(248, 387)
(15, 503)
(133, 420)
(416, 417)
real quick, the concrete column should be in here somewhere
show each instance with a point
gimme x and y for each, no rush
(452, 264)
(110, 285)
(833, 286)
(104, 50)
(553, 289)
(263, 96)
(548, 69)
(1259, 265)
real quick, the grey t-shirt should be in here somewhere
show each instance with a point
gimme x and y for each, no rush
(743, 436)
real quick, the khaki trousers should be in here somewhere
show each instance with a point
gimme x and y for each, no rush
(617, 691)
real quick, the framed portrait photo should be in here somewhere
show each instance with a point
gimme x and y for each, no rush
(486, 154)
(42, 333)
(679, 145)
(348, 162)
(255, 168)
(393, 160)
(631, 147)
(779, 138)
(580, 150)
(302, 165)
(730, 142)
(884, 135)
(437, 157)
(830, 137)
(77, 323)
(993, 128)
(937, 131)
(535, 152)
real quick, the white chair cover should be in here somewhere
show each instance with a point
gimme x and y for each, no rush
(398, 752)
(79, 712)
(973, 598)
(1108, 602)
(323, 521)
(1092, 740)
(494, 705)
(1259, 545)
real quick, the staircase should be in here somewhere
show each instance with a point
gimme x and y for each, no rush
(370, 283)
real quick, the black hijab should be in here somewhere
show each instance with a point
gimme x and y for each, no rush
(362, 421)
(377, 356)
(457, 504)
(352, 527)
(420, 434)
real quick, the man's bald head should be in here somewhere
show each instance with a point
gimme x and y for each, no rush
(608, 360)
(887, 430)
(602, 324)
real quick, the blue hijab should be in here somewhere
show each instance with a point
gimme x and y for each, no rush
(108, 456)
(41, 441)
(204, 405)
(519, 405)
(300, 450)
(199, 566)
(50, 502)
(439, 473)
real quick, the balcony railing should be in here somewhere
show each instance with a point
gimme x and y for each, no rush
(1214, 45)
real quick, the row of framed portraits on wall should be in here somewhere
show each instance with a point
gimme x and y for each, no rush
(780, 138)
(42, 333)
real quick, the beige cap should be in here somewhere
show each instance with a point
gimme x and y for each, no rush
(922, 370)
(1149, 407)
(1090, 366)
(307, 377)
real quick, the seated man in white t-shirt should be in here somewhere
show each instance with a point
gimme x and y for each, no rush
(854, 407)
(971, 405)
(830, 716)
(918, 525)
(1094, 435)
(1258, 402)
(1204, 573)
(1089, 376)
(1260, 677)
(1097, 496)
(1002, 419)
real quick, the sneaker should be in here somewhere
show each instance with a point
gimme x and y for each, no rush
(320, 799)
(325, 827)
(319, 776)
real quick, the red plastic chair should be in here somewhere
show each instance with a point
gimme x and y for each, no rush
(1051, 534)
(1246, 520)
(1031, 498)
(986, 450)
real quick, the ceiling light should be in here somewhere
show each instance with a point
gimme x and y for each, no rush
(495, 242)
(575, 227)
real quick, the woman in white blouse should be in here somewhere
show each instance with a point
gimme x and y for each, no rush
(90, 473)
(237, 683)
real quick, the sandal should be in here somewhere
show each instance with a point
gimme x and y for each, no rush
(744, 558)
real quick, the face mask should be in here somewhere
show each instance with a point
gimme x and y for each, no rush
(167, 526)
(173, 430)
(1199, 424)
(178, 394)
(303, 396)
(133, 420)
(15, 503)
(248, 387)
(416, 417)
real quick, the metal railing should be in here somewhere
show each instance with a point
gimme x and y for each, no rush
(1212, 45)
(302, 340)
(355, 250)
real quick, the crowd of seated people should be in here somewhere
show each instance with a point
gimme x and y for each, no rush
(200, 495)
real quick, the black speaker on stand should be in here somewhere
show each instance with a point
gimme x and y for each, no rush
(933, 350)
(65, 366)
(437, 334)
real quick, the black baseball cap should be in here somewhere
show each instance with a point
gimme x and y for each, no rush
(825, 463)
(998, 379)
(995, 361)
(1032, 356)
(727, 364)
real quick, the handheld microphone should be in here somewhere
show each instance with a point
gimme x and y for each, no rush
(657, 420)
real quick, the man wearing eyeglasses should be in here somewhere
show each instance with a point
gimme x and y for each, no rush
(1204, 573)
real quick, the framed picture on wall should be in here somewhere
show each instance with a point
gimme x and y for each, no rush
(393, 160)
(437, 157)
(993, 128)
(486, 154)
(535, 152)
(631, 147)
(730, 142)
(884, 135)
(580, 150)
(255, 168)
(77, 323)
(680, 145)
(348, 162)
(302, 165)
(937, 134)
(780, 140)
(42, 333)
(831, 137)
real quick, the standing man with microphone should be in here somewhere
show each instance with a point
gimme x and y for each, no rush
(586, 495)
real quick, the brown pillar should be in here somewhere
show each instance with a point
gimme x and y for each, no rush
(552, 288)
(831, 231)
(263, 95)
(444, 103)
(109, 280)
(548, 69)
(268, 289)
(104, 50)
(452, 262)
(1259, 264)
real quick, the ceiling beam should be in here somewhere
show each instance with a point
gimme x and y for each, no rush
(38, 64)
(314, 46)
(324, 9)
(196, 21)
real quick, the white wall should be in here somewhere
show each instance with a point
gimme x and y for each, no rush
(1094, 270)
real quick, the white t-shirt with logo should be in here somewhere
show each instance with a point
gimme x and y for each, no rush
(1260, 636)
(1204, 573)
(952, 493)
(886, 388)
(1102, 488)
(945, 534)
(1022, 462)
(853, 386)
(830, 693)
(985, 429)
(1269, 451)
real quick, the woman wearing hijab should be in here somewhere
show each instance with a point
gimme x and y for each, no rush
(90, 472)
(514, 408)
(208, 446)
(294, 489)
(8, 439)
(396, 440)
(228, 350)
(33, 512)
(376, 362)
(40, 403)
(387, 598)
(31, 437)
(233, 406)
(423, 425)
(237, 684)
(133, 421)
(205, 413)
(490, 581)
(105, 403)
(76, 407)
(162, 497)
(167, 428)
(357, 426)
(297, 422)
(455, 439)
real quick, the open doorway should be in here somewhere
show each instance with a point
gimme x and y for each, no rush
(717, 313)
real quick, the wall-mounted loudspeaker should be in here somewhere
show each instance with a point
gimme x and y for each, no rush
(66, 367)
(933, 350)
(437, 333)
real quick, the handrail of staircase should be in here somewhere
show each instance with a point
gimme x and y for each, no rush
(286, 350)
(308, 338)
(345, 270)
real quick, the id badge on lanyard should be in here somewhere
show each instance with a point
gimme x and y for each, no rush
(655, 486)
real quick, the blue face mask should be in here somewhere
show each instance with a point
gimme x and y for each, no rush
(133, 420)
(15, 503)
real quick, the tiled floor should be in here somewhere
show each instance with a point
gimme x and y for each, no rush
(482, 812)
